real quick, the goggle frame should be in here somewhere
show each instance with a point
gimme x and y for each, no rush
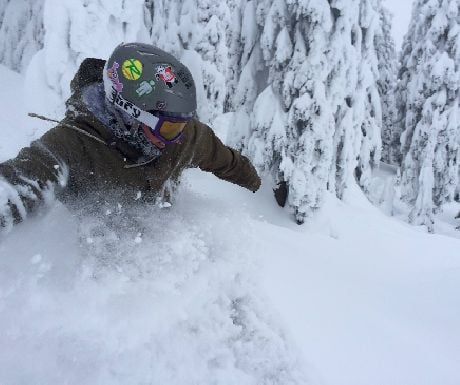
(170, 119)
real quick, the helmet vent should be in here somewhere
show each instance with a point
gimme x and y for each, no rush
(133, 45)
(147, 53)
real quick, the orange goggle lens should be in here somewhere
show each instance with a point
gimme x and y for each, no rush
(170, 130)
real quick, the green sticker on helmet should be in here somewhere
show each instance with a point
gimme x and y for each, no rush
(132, 69)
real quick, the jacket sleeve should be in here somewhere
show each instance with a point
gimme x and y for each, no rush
(29, 179)
(224, 162)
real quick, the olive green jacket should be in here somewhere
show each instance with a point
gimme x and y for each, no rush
(81, 158)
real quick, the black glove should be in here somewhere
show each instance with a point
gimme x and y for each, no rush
(281, 192)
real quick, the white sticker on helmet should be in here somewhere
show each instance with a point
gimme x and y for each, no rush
(137, 113)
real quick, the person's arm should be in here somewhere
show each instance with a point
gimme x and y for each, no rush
(29, 179)
(224, 162)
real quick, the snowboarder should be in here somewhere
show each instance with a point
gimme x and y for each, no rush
(128, 128)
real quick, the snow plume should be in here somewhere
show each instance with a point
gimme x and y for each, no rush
(114, 293)
(429, 88)
(21, 32)
(27, 196)
(317, 66)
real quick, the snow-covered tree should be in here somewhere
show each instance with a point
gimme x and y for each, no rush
(316, 125)
(430, 78)
(249, 79)
(204, 28)
(388, 67)
(21, 31)
(368, 106)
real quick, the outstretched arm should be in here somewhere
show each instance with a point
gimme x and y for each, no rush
(224, 162)
(27, 180)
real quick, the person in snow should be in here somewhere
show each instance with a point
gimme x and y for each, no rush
(129, 127)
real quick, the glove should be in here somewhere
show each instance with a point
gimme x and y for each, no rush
(281, 192)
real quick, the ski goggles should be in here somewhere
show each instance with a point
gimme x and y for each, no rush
(169, 129)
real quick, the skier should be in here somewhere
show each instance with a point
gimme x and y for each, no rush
(130, 128)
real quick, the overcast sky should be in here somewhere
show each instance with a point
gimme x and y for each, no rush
(401, 10)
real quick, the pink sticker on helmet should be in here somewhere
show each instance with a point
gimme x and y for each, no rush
(113, 76)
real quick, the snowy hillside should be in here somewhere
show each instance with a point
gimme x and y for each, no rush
(223, 288)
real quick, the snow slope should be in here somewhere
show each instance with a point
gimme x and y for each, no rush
(223, 288)
(367, 298)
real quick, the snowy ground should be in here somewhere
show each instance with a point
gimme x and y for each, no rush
(384, 194)
(223, 288)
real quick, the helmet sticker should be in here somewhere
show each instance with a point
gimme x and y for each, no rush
(129, 107)
(145, 88)
(161, 105)
(165, 73)
(113, 76)
(185, 78)
(132, 69)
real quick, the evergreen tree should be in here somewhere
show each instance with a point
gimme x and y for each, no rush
(21, 32)
(387, 83)
(368, 109)
(316, 125)
(204, 28)
(430, 77)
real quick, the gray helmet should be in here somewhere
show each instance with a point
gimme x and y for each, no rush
(141, 79)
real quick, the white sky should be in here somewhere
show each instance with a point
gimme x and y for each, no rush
(401, 10)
